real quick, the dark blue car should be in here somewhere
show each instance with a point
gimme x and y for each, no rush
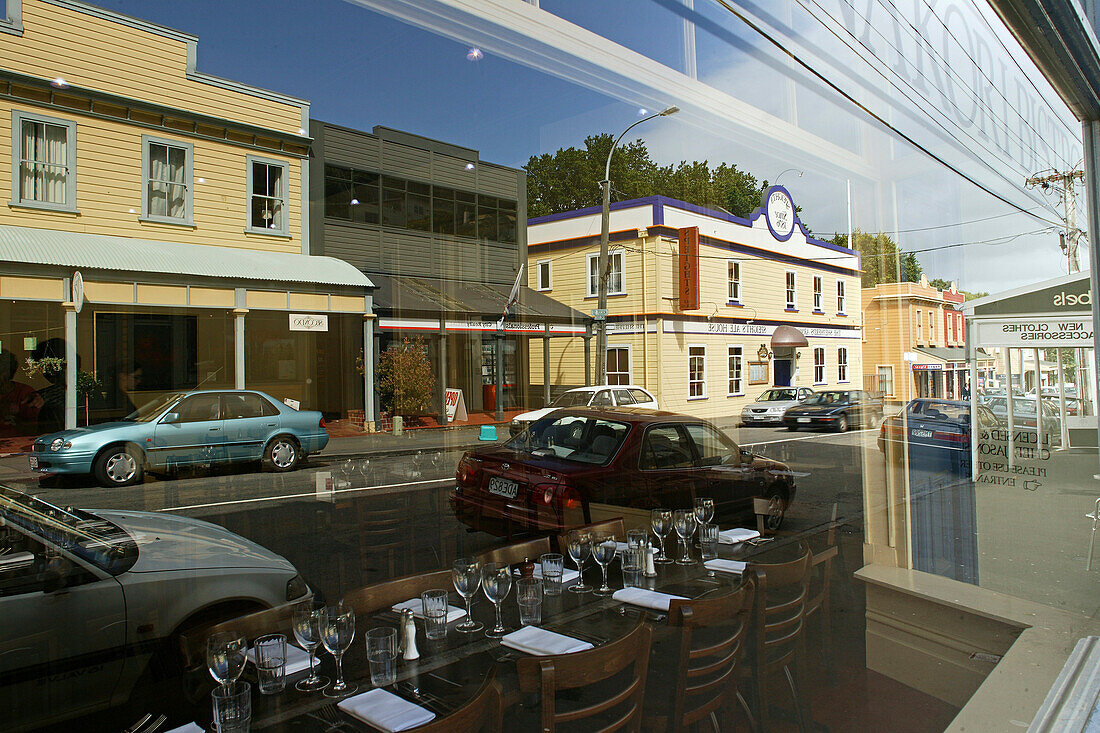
(938, 434)
(181, 429)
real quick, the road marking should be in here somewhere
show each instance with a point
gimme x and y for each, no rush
(311, 494)
(811, 437)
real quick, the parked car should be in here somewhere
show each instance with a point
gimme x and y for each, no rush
(838, 409)
(772, 403)
(579, 463)
(1024, 416)
(91, 599)
(182, 429)
(937, 432)
(619, 395)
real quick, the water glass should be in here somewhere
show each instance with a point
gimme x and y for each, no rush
(553, 565)
(660, 520)
(337, 633)
(382, 655)
(435, 613)
(708, 541)
(232, 707)
(306, 622)
(529, 596)
(496, 581)
(225, 656)
(579, 547)
(633, 566)
(270, 654)
(466, 575)
(683, 520)
(637, 538)
(703, 507)
(604, 551)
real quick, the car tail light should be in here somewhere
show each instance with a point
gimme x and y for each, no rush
(891, 430)
(949, 437)
(466, 471)
(321, 424)
(569, 497)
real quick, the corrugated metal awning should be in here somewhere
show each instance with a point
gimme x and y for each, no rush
(28, 246)
(434, 296)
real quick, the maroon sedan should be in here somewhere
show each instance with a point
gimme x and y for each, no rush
(578, 465)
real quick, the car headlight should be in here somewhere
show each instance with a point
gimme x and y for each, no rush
(296, 588)
(59, 443)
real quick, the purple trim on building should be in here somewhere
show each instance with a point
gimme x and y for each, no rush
(589, 210)
(764, 253)
(651, 317)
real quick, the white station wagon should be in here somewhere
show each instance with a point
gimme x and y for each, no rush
(614, 395)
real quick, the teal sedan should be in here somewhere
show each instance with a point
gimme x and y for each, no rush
(184, 429)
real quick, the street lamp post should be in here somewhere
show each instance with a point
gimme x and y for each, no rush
(605, 230)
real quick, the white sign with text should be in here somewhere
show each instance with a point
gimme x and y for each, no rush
(308, 322)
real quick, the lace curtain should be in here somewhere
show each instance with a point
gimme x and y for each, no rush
(167, 185)
(44, 165)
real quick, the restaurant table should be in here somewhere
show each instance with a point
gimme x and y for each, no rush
(450, 671)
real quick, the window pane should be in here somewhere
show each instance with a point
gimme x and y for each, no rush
(337, 198)
(419, 212)
(393, 208)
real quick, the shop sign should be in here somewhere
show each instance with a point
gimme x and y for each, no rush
(1057, 331)
(428, 324)
(456, 405)
(927, 367)
(753, 329)
(689, 268)
(78, 291)
(624, 327)
(308, 322)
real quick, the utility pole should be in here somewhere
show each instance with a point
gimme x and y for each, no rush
(1072, 236)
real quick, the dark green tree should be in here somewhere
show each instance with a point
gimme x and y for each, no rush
(882, 259)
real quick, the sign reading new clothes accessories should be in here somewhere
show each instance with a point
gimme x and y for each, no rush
(689, 268)
(308, 322)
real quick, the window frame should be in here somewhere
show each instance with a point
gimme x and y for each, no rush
(842, 365)
(702, 382)
(733, 283)
(888, 387)
(284, 230)
(18, 117)
(920, 326)
(932, 328)
(790, 289)
(611, 255)
(629, 364)
(188, 218)
(819, 294)
(818, 381)
(549, 276)
(730, 379)
(841, 298)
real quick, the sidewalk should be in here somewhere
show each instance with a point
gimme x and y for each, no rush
(411, 441)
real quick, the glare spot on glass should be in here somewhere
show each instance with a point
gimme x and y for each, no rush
(642, 111)
(301, 131)
(133, 211)
(354, 202)
(469, 166)
(200, 180)
(60, 83)
(474, 54)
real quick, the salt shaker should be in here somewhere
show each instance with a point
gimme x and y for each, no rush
(650, 566)
(408, 636)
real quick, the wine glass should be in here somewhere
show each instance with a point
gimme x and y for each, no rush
(337, 633)
(603, 550)
(225, 655)
(683, 520)
(496, 580)
(306, 623)
(466, 574)
(579, 546)
(704, 510)
(661, 522)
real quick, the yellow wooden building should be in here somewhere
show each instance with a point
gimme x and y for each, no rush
(153, 234)
(755, 276)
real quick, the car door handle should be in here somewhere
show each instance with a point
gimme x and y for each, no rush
(214, 429)
(272, 424)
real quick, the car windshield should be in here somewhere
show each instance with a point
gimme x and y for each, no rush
(89, 537)
(577, 398)
(152, 410)
(778, 395)
(573, 438)
(941, 410)
(827, 398)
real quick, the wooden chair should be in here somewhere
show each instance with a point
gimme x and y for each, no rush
(766, 516)
(616, 670)
(380, 596)
(382, 532)
(608, 526)
(818, 607)
(484, 713)
(712, 639)
(782, 591)
(511, 554)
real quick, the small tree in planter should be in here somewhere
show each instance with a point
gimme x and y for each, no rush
(53, 369)
(405, 380)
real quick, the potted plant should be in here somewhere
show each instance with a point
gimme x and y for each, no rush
(52, 368)
(405, 379)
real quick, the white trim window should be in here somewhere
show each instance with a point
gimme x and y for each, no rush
(886, 379)
(43, 162)
(697, 372)
(931, 328)
(166, 192)
(615, 276)
(818, 299)
(841, 298)
(842, 364)
(819, 365)
(267, 196)
(544, 275)
(920, 326)
(792, 290)
(736, 370)
(618, 364)
(733, 274)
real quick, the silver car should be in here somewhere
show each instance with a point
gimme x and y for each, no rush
(770, 406)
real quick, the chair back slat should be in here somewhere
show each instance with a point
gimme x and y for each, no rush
(614, 527)
(381, 596)
(275, 620)
(511, 554)
(484, 713)
(624, 661)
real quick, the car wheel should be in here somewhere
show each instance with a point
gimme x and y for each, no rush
(283, 453)
(842, 424)
(774, 518)
(119, 465)
(792, 428)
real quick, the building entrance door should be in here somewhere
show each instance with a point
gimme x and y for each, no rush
(782, 372)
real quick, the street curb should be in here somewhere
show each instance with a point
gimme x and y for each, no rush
(400, 451)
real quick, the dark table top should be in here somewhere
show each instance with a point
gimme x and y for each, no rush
(451, 670)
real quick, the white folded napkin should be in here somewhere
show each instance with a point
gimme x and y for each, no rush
(567, 574)
(726, 566)
(733, 536)
(645, 598)
(540, 642)
(189, 728)
(417, 607)
(385, 710)
(621, 546)
(296, 659)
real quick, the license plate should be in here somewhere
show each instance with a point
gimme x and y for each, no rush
(803, 419)
(34, 463)
(503, 487)
(922, 433)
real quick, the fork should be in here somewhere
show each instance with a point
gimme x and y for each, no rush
(330, 715)
(155, 724)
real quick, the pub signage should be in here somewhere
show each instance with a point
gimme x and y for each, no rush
(689, 268)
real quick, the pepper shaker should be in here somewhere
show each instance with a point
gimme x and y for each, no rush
(650, 566)
(409, 651)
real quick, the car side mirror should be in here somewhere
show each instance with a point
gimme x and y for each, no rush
(171, 417)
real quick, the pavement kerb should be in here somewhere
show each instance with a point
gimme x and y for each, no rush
(370, 453)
